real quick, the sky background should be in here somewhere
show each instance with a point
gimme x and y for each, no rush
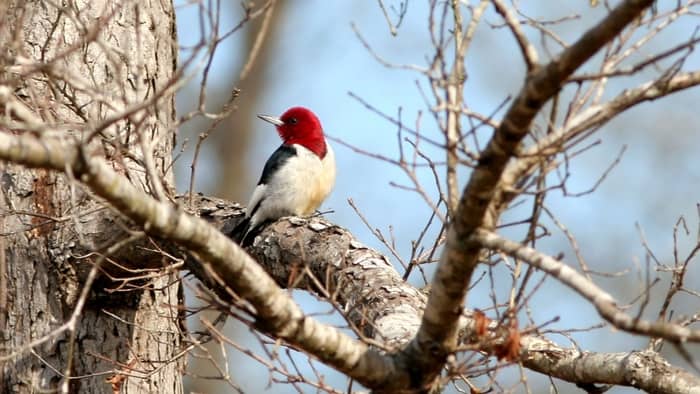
(316, 60)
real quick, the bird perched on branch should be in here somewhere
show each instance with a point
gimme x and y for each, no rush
(297, 177)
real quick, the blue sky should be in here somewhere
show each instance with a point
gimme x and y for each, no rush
(318, 60)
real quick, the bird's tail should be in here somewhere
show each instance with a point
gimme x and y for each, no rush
(239, 232)
(244, 233)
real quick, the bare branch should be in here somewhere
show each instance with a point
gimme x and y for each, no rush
(437, 335)
(644, 370)
(526, 48)
(454, 99)
(364, 276)
(395, 325)
(603, 302)
(278, 313)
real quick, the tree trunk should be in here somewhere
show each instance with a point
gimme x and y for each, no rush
(73, 68)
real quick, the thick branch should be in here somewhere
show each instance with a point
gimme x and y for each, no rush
(362, 283)
(603, 302)
(321, 257)
(277, 313)
(644, 370)
(437, 335)
(358, 279)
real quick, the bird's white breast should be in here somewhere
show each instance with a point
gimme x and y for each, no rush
(298, 188)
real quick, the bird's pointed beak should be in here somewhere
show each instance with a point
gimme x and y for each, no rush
(272, 119)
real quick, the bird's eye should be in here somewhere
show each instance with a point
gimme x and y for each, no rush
(292, 121)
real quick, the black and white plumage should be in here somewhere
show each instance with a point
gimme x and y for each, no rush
(296, 178)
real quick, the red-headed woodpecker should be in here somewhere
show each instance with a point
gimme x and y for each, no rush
(297, 177)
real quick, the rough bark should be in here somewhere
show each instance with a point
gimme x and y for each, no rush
(223, 264)
(310, 254)
(72, 67)
(326, 259)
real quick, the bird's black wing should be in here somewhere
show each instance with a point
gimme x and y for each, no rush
(276, 160)
(243, 231)
(239, 232)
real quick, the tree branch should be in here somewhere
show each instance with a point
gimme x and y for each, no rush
(388, 310)
(588, 119)
(603, 302)
(526, 48)
(644, 370)
(357, 279)
(437, 334)
(278, 315)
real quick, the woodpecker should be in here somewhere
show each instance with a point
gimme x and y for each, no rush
(296, 178)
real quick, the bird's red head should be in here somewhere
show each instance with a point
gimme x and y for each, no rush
(299, 125)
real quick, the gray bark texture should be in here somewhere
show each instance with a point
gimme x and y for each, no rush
(85, 63)
(326, 259)
(90, 298)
